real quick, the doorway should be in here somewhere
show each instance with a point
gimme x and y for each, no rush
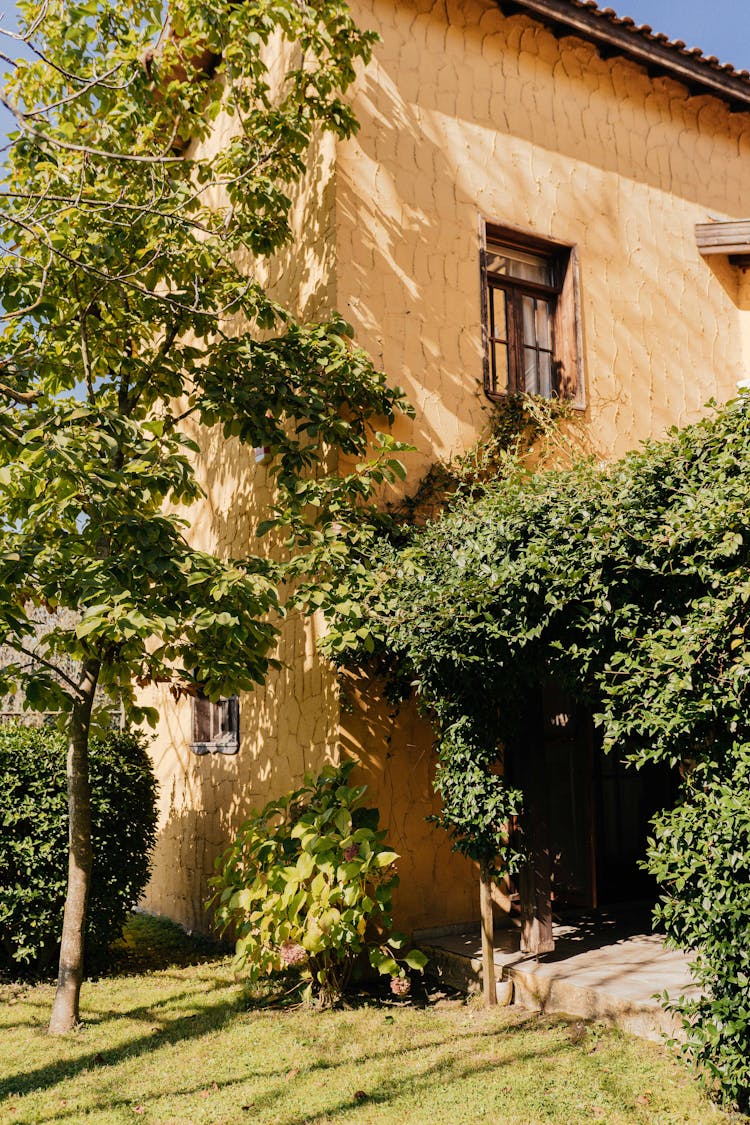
(626, 799)
(599, 810)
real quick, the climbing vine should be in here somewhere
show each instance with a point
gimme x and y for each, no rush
(628, 585)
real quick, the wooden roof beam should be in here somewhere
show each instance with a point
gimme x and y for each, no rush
(723, 237)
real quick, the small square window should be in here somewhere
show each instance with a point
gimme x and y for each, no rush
(531, 318)
(216, 726)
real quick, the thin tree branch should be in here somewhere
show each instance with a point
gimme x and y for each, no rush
(85, 360)
(92, 271)
(18, 647)
(35, 304)
(86, 150)
(90, 85)
(164, 349)
(32, 29)
(141, 209)
(23, 398)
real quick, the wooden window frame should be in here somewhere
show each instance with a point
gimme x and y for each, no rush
(565, 326)
(215, 726)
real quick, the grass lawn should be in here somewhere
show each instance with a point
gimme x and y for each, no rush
(182, 1042)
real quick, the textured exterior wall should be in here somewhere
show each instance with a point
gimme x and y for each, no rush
(467, 114)
(394, 746)
(290, 725)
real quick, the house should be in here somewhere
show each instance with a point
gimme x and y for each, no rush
(541, 196)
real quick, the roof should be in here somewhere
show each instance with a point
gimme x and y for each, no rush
(613, 34)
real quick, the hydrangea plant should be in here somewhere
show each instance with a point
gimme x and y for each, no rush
(308, 884)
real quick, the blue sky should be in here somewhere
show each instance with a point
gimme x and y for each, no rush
(720, 27)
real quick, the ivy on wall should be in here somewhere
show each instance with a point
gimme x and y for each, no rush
(628, 584)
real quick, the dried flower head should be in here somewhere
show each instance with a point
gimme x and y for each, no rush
(292, 954)
(400, 986)
(352, 852)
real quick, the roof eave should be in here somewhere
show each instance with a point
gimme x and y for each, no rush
(699, 75)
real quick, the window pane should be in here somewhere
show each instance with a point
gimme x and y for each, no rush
(543, 324)
(497, 314)
(222, 717)
(520, 264)
(529, 322)
(202, 713)
(530, 373)
(500, 368)
(545, 374)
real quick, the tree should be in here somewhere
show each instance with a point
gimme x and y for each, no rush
(127, 311)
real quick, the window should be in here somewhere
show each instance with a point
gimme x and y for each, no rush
(216, 726)
(532, 326)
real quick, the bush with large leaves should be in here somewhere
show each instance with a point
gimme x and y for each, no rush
(309, 882)
(34, 841)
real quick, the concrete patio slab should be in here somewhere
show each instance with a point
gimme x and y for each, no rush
(602, 968)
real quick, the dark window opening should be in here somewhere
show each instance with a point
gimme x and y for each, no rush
(531, 318)
(216, 726)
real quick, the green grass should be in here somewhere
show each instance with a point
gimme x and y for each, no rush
(183, 1043)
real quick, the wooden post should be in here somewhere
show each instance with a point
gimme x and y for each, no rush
(536, 901)
(489, 988)
(535, 879)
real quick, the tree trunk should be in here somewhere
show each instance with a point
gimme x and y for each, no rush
(80, 858)
(489, 987)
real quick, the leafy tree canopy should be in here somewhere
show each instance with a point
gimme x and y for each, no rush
(594, 575)
(133, 310)
(134, 318)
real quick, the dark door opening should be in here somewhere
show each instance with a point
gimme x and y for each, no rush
(599, 810)
(586, 817)
(625, 801)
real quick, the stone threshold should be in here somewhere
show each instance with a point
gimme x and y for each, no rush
(603, 968)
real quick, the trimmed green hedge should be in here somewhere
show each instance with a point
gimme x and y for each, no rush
(34, 841)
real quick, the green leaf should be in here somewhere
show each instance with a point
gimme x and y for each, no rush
(385, 858)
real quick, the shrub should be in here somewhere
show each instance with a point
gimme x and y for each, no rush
(701, 855)
(34, 840)
(309, 883)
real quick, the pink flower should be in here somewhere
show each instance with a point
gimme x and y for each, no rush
(400, 986)
(292, 954)
(352, 852)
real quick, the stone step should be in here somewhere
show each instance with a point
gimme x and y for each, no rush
(598, 976)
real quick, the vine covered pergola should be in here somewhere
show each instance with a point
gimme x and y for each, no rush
(628, 585)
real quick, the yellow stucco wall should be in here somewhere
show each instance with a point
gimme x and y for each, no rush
(467, 114)
(290, 725)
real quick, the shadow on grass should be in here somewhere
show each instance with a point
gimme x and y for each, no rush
(149, 944)
(162, 1031)
(154, 944)
(440, 1073)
